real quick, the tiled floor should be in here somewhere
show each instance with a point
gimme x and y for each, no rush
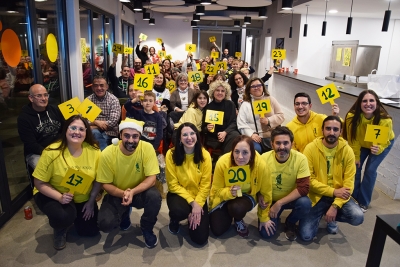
(29, 243)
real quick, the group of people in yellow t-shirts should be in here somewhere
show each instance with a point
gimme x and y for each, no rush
(311, 169)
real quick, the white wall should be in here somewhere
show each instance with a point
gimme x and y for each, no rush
(174, 32)
(314, 50)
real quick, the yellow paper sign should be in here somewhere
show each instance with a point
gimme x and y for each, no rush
(24, 53)
(237, 175)
(339, 54)
(214, 117)
(211, 69)
(221, 65)
(87, 50)
(70, 107)
(76, 181)
(143, 82)
(328, 93)
(215, 54)
(171, 86)
(152, 69)
(159, 40)
(347, 57)
(278, 54)
(195, 76)
(190, 47)
(161, 53)
(143, 37)
(238, 54)
(168, 57)
(89, 110)
(52, 47)
(118, 48)
(377, 134)
(128, 50)
(262, 107)
(212, 39)
(198, 65)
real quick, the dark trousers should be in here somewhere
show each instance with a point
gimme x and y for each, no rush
(111, 211)
(64, 215)
(179, 210)
(225, 146)
(221, 218)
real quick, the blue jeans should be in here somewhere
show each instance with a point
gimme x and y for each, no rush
(257, 147)
(363, 189)
(102, 138)
(349, 213)
(300, 208)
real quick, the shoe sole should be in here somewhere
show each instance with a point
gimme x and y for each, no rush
(290, 239)
(60, 248)
(125, 229)
(153, 245)
(174, 233)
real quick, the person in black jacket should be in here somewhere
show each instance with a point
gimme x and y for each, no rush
(142, 54)
(119, 85)
(39, 124)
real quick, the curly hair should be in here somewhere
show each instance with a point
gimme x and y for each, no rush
(214, 85)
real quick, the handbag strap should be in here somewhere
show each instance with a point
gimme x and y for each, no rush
(254, 117)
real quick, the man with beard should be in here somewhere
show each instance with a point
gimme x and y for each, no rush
(128, 172)
(119, 85)
(137, 64)
(290, 182)
(306, 126)
(331, 161)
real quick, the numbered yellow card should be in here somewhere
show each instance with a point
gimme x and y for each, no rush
(190, 47)
(377, 134)
(171, 86)
(87, 49)
(238, 54)
(168, 57)
(159, 40)
(221, 65)
(328, 93)
(215, 54)
(212, 39)
(262, 107)
(211, 69)
(237, 175)
(278, 54)
(89, 110)
(118, 48)
(161, 53)
(195, 76)
(143, 82)
(152, 69)
(76, 181)
(143, 37)
(198, 66)
(128, 50)
(70, 107)
(214, 117)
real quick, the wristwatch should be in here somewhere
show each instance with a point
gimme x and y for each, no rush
(335, 206)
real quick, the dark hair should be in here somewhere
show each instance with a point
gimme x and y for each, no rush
(170, 65)
(196, 95)
(219, 75)
(63, 138)
(153, 48)
(164, 82)
(247, 96)
(232, 82)
(125, 66)
(302, 94)
(379, 113)
(149, 93)
(249, 141)
(282, 130)
(332, 118)
(54, 67)
(99, 77)
(178, 153)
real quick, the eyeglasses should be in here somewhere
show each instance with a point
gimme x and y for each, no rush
(304, 104)
(256, 86)
(40, 96)
(73, 128)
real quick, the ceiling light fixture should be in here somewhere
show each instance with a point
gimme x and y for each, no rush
(349, 20)
(206, 2)
(306, 25)
(42, 16)
(193, 23)
(287, 4)
(247, 20)
(146, 15)
(137, 5)
(152, 21)
(196, 18)
(107, 20)
(125, 1)
(262, 13)
(324, 23)
(95, 16)
(291, 28)
(386, 19)
(236, 23)
(12, 8)
(200, 10)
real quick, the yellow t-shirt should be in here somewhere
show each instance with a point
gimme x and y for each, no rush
(52, 168)
(127, 171)
(284, 175)
(329, 155)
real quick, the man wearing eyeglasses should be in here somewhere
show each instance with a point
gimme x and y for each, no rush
(306, 126)
(39, 124)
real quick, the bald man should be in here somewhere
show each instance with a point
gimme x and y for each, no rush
(39, 124)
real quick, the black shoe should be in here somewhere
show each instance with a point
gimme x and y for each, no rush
(290, 231)
(60, 238)
(150, 239)
(126, 221)
(363, 208)
(173, 227)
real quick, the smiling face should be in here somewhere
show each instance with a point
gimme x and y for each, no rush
(137, 64)
(188, 139)
(219, 94)
(99, 87)
(148, 103)
(167, 65)
(241, 153)
(301, 106)
(282, 146)
(256, 88)
(331, 131)
(239, 80)
(159, 79)
(152, 51)
(368, 105)
(201, 101)
(76, 132)
(38, 97)
(130, 140)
